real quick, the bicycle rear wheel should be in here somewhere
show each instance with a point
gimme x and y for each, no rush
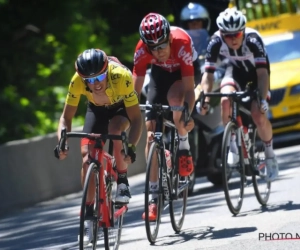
(112, 234)
(152, 226)
(178, 204)
(233, 173)
(262, 188)
(91, 173)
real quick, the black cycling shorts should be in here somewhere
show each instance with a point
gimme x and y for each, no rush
(239, 78)
(97, 117)
(162, 81)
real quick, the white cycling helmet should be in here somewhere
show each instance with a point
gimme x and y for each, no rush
(194, 11)
(231, 20)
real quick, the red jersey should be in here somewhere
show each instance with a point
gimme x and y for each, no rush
(181, 57)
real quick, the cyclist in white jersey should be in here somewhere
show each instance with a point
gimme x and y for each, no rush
(245, 56)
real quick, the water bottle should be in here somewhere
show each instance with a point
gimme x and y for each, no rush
(168, 160)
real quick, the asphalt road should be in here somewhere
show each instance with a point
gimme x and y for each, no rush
(53, 225)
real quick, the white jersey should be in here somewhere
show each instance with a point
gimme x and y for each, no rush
(252, 54)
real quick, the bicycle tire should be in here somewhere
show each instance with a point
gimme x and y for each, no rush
(112, 235)
(178, 222)
(262, 188)
(95, 218)
(229, 171)
(152, 234)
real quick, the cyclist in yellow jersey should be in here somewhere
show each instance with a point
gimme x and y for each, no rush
(113, 107)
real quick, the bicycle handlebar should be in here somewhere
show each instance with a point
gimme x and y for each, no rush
(236, 95)
(163, 108)
(91, 136)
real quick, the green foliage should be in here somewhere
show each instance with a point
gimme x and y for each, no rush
(41, 40)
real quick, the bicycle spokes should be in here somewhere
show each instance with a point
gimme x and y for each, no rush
(262, 188)
(178, 202)
(232, 168)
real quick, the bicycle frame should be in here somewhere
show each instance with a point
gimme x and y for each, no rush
(236, 118)
(235, 115)
(97, 156)
(165, 178)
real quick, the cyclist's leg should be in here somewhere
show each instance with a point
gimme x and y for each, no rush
(92, 124)
(157, 92)
(265, 132)
(119, 122)
(177, 95)
(229, 84)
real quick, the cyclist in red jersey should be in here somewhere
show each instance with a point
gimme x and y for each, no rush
(170, 52)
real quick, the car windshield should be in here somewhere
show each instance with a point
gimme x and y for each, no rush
(283, 47)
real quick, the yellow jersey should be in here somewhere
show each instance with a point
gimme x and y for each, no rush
(120, 87)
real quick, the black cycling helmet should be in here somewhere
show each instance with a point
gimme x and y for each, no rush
(91, 62)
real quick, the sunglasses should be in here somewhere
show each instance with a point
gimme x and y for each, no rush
(233, 35)
(98, 78)
(158, 47)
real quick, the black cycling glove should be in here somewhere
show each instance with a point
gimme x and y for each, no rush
(131, 152)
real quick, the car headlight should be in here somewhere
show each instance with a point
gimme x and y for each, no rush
(295, 90)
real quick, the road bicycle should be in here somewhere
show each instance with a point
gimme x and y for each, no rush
(251, 163)
(107, 214)
(173, 189)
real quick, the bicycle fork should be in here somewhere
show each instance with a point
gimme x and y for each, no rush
(164, 184)
(244, 140)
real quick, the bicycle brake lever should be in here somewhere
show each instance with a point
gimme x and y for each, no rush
(63, 138)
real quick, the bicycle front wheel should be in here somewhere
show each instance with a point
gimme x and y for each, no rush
(233, 170)
(262, 188)
(178, 204)
(112, 234)
(91, 175)
(152, 226)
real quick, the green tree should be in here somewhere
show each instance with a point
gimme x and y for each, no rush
(40, 40)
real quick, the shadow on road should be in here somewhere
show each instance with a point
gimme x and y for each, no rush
(288, 206)
(201, 233)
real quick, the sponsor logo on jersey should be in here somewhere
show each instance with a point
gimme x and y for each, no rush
(186, 56)
(138, 54)
(71, 95)
(115, 76)
(133, 93)
(212, 43)
(168, 66)
(127, 83)
(258, 44)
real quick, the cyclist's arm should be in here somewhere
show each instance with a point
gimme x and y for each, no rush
(138, 82)
(211, 57)
(65, 120)
(188, 83)
(207, 84)
(256, 46)
(263, 82)
(135, 116)
(197, 91)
